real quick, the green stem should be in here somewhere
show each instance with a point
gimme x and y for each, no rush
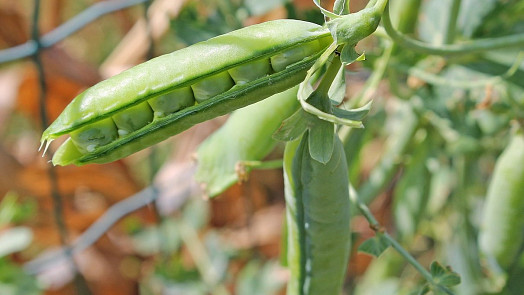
(379, 230)
(455, 49)
(274, 164)
(202, 260)
(329, 76)
(451, 29)
(380, 5)
(466, 84)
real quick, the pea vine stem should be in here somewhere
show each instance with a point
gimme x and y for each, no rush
(465, 84)
(475, 46)
(203, 263)
(451, 28)
(380, 231)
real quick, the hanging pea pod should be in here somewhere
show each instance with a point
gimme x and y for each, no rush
(317, 209)
(501, 235)
(126, 113)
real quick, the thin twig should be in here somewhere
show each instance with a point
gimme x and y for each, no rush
(380, 231)
(451, 28)
(201, 258)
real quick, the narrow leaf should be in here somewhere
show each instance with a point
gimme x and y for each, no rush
(354, 114)
(374, 246)
(292, 127)
(337, 91)
(321, 141)
(349, 55)
(324, 11)
(425, 290)
(445, 276)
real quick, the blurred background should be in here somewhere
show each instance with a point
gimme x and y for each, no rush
(142, 226)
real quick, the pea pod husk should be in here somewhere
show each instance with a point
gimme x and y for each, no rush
(318, 219)
(183, 68)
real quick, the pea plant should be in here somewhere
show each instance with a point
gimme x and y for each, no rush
(452, 127)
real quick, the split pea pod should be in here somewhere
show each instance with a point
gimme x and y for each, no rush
(317, 210)
(501, 236)
(128, 112)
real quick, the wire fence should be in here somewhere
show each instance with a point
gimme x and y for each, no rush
(179, 189)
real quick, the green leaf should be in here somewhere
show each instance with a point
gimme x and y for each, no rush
(259, 279)
(433, 24)
(472, 15)
(354, 114)
(425, 290)
(324, 11)
(444, 275)
(349, 55)
(374, 246)
(292, 127)
(337, 91)
(321, 140)
(14, 280)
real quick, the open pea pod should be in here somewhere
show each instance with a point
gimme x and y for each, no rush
(129, 112)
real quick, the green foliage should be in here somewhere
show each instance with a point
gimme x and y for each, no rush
(430, 152)
(14, 281)
(374, 246)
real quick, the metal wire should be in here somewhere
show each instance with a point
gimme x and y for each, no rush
(63, 31)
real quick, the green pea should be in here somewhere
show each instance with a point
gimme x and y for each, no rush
(176, 100)
(280, 61)
(133, 118)
(252, 71)
(88, 138)
(211, 86)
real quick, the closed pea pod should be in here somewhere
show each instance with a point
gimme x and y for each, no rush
(502, 233)
(317, 209)
(205, 69)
